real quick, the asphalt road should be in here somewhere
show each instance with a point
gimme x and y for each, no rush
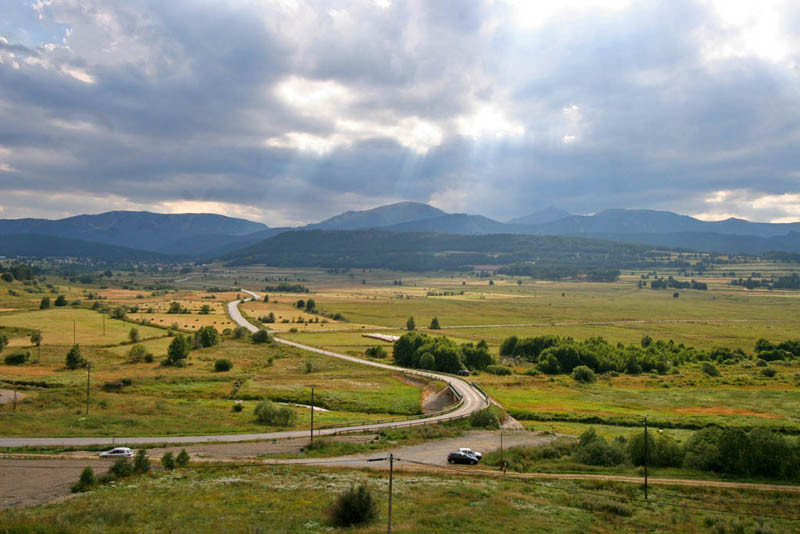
(473, 400)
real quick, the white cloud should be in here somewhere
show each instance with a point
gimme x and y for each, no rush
(488, 121)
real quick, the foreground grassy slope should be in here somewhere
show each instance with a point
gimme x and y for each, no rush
(282, 499)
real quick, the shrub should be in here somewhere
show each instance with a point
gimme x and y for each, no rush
(17, 358)
(486, 418)
(375, 352)
(355, 506)
(206, 336)
(761, 363)
(595, 450)
(86, 482)
(435, 324)
(141, 463)
(583, 374)
(499, 370)
(149, 358)
(769, 372)
(45, 303)
(269, 413)
(223, 365)
(710, 369)
(309, 367)
(240, 332)
(168, 461)
(133, 335)
(182, 459)
(121, 468)
(178, 351)
(138, 353)
(238, 407)
(262, 336)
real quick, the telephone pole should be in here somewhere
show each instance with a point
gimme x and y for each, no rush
(391, 470)
(645, 457)
(312, 414)
(502, 458)
(88, 378)
(73, 333)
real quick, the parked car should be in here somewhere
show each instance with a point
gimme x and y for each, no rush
(119, 452)
(463, 372)
(476, 454)
(459, 457)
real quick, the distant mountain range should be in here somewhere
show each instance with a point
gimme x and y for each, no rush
(207, 236)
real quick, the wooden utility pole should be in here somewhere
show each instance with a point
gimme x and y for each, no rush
(73, 333)
(645, 457)
(391, 471)
(88, 378)
(312, 414)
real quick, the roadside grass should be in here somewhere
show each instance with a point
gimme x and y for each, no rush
(294, 499)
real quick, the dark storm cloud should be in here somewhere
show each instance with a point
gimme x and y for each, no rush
(295, 111)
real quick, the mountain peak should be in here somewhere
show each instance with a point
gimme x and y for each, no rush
(546, 215)
(390, 214)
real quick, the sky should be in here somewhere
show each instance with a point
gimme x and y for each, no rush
(289, 111)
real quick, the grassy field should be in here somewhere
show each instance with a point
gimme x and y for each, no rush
(283, 499)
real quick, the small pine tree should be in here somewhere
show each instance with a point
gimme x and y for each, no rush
(182, 459)
(74, 358)
(141, 463)
(435, 324)
(353, 507)
(410, 324)
(86, 482)
(168, 461)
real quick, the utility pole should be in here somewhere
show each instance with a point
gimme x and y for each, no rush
(391, 470)
(104, 325)
(73, 333)
(88, 378)
(312, 414)
(502, 458)
(15, 398)
(645, 457)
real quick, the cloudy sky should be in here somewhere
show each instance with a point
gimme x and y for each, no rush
(290, 111)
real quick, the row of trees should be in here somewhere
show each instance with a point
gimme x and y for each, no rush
(439, 353)
(554, 354)
(791, 281)
(672, 283)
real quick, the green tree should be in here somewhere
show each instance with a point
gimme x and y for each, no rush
(410, 324)
(133, 335)
(74, 358)
(178, 351)
(205, 310)
(44, 304)
(3, 342)
(86, 482)
(207, 336)
(36, 338)
(261, 336)
(269, 413)
(301, 304)
(141, 463)
(175, 307)
(137, 353)
(168, 461)
(266, 298)
(435, 324)
(61, 300)
(182, 459)
(311, 306)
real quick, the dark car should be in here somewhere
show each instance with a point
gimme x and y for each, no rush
(463, 372)
(459, 457)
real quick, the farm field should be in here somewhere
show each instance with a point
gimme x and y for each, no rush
(296, 499)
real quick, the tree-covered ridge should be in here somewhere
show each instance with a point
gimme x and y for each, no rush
(422, 251)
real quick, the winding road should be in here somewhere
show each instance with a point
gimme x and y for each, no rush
(472, 399)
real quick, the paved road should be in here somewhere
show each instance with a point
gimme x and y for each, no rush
(472, 401)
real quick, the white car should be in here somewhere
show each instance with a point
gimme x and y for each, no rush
(119, 452)
(476, 454)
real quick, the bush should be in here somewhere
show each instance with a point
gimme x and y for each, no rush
(376, 352)
(583, 374)
(769, 372)
(182, 459)
(207, 336)
(761, 363)
(121, 468)
(223, 365)
(168, 461)
(499, 370)
(178, 351)
(133, 335)
(149, 358)
(435, 324)
(240, 332)
(45, 303)
(309, 367)
(17, 358)
(595, 450)
(710, 369)
(355, 506)
(141, 463)
(86, 482)
(238, 407)
(262, 336)
(269, 413)
(138, 353)
(486, 418)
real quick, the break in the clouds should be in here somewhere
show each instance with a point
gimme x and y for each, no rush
(289, 111)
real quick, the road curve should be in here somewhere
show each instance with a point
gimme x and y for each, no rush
(473, 401)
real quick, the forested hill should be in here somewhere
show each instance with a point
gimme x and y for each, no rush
(47, 246)
(424, 251)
